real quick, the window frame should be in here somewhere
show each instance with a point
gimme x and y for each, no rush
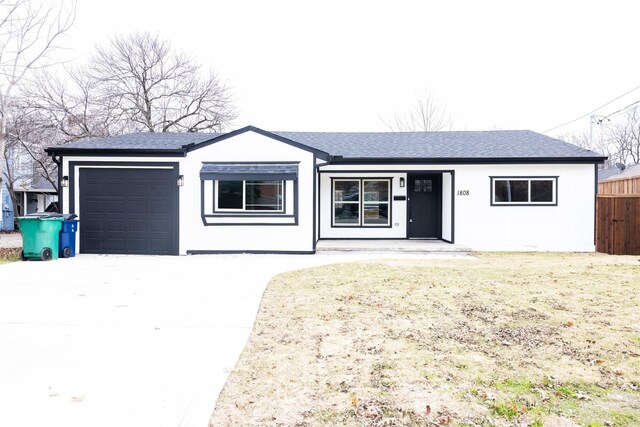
(244, 210)
(529, 178)
(361, 203)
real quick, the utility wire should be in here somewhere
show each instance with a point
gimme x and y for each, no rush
(620, 110)
(591, 112)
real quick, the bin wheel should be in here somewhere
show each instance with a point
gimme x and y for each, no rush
(22, 257)
(66, 252)
(45, 254)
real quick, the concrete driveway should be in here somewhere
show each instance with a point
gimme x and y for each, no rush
(128, 340)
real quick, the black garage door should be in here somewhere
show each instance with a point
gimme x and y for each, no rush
(128, 211)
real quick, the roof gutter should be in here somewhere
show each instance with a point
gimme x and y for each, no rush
(475, 160)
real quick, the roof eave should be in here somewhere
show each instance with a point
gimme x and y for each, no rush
(116, 152)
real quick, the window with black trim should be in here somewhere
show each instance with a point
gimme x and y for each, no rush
(249, 192)
(361, 202)
(242, 196)
(524, 191)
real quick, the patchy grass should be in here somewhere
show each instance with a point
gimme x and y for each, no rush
(505, 339)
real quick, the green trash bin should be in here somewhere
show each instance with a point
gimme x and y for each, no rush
(40, 237)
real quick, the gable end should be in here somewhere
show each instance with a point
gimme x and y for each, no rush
(318, 153)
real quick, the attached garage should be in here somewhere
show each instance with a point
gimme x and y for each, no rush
(128, 210)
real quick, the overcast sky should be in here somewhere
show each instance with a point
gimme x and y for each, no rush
(341, 65)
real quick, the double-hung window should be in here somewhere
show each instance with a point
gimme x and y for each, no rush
(361, 202)
(524, 191)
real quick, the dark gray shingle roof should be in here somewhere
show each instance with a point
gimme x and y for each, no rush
(450, 144)
(142, 141)
(372, 145)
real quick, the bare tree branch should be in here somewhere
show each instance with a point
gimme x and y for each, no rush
(427, 114)
(619, 139)
(30, 31)
(158, 89)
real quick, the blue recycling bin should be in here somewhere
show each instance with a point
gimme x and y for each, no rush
(67, 246)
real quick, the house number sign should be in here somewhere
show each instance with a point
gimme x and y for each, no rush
(463, 192)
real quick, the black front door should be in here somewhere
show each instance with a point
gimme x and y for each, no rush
(425, 206)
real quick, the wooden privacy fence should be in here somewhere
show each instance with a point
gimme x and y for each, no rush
(618, 224)
(620, 186)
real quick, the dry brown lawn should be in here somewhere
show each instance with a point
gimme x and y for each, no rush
(504, 339)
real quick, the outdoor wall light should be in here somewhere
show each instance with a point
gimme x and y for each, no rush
(180, 180)
(401, 182)
(65, 181)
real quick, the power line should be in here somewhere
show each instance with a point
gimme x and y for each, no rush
(620, 110)
(591, 112)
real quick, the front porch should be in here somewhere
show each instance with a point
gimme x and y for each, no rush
(391, 245)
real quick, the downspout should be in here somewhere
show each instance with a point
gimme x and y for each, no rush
(58, 161)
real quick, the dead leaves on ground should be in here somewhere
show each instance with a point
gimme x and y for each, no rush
(376, 413)
(381, 345)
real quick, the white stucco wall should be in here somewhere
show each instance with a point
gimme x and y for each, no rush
(569, 226)
(193, 234)
(398, 229)
(447, 205)
(247, 147)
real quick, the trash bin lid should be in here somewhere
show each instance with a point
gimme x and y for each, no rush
(45, 215)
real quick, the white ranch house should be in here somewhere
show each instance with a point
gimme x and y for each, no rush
(256, 191)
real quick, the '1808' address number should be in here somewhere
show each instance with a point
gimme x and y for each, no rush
(463, 192)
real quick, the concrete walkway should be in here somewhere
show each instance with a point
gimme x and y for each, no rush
(423, 246)
(11, 240)
(128, 340)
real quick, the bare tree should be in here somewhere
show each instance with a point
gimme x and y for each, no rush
(30, 31)
(25, 161)
(427, 114)
(69, 106)
(597, 143)
(159, 89)
(624, 136)
(619, 138)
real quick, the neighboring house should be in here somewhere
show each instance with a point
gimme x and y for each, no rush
(256, 191)
(626, 181)
(34, 195)
(606, 173)
(628, 172)
(33, 192)
(6, 209)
